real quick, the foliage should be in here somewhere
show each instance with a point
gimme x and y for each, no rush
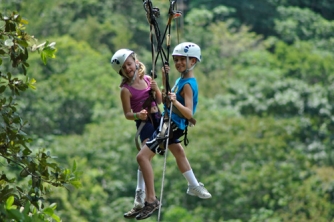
(24, 202)
(302, 24)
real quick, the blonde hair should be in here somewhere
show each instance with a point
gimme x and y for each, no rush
(141, 70)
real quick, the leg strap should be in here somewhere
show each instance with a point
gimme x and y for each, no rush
(142, 124)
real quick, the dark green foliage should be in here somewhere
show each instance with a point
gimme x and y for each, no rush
(18, 201)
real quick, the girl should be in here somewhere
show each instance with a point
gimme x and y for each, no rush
(137, 92)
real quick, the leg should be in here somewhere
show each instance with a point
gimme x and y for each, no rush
(180, 157)
(144, 158)
(140, 178)
(194, 187)
(139, 201)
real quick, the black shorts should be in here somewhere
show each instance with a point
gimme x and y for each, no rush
(149, 127)
(157, 143)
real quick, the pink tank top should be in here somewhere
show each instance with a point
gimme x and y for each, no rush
(139, 96)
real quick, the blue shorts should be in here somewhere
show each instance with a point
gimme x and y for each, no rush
(149, 127)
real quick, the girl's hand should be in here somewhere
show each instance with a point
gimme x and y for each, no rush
(142, 114)
(154, 85)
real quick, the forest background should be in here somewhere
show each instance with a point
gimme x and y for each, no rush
(263, 143)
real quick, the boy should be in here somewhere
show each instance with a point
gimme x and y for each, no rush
(184, 98)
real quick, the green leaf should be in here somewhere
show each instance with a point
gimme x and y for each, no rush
(53, 206)
(74, 167)
(24, 173)
(69, 187)
(2, 89)
(22, 42)
(76, 183)
(31, 84)
(24, 69)
(26, 208)
(15, 214)
(9, 202)
(24, 21)
(48, 211)
(54, 216)
(43, 57)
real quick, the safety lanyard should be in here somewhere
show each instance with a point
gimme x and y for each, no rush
(152, 13)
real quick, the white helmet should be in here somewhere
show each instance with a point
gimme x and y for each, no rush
(188, 49)
(119, 58)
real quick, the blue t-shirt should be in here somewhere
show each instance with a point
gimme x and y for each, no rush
(177, 88)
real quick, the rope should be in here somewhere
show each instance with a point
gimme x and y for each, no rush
(165, 161)
(152, 13)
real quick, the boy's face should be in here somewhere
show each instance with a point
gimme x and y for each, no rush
(180, 62)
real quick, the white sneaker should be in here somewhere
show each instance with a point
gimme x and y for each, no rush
(139, 199)
(199, 191)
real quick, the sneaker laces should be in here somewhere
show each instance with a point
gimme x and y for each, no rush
(149, 207)
(200, 188)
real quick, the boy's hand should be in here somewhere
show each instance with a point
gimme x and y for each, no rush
(172, 97)
(166, 69)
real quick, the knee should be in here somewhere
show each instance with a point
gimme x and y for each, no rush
(140, 157)
(181, 153)
(178, 151)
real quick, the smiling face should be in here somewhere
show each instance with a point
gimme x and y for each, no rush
(180, 63)
(129, 67)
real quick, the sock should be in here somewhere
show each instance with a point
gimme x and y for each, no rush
(190, 177)
(140, 181)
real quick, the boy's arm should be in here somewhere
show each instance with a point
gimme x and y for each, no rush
(187, 94)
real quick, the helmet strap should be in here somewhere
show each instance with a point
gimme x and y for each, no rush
(134, 76)
(187, 70)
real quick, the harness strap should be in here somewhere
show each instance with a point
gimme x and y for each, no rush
(142, 124)
(147, 104)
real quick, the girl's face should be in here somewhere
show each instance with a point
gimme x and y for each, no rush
(180, 63)
(129, 67)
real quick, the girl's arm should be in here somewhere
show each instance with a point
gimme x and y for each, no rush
(125, 97)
